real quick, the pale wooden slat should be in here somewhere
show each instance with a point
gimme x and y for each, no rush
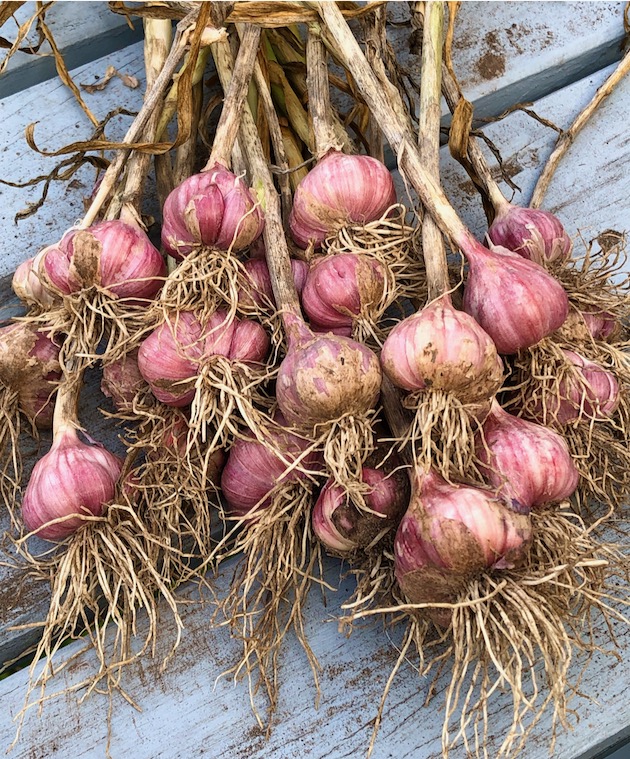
(82, 31)
(188, 712)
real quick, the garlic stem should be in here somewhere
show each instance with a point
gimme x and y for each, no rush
(66, 415)
(453, 94)
(429, 143)
(182, 40)
(126, 203)
(275, 133)
(395, 131)
(319, 106)
(235, 94)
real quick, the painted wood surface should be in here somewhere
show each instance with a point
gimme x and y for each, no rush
(182, 712)
(83, 32)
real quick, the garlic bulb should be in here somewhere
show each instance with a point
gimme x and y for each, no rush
(324, 377)
(529, 464)
(534, 234)
(343, 528)
(122, 381)
(29, 365)
(440, 348)
(342, 288)
(340, 190)
(73, 478)
(515, 300)
(215, 209)
(113, 255)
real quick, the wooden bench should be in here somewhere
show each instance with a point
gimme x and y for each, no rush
(554, 53)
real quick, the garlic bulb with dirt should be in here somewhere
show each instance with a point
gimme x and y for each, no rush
(113, 255)
(534, 234)
(339, 191)
(343, 528)
(527, 463)
(440, 348)
(29, 369)
(451, 533)
(325, 377)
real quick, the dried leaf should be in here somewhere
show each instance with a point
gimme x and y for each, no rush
(7, 9)
(110, 72)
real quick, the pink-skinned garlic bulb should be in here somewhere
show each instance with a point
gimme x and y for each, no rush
(213, 209)
(585, 392)
(534, 234)
(515, 300)
(339, 191)
(325, 377)
(114, 256)
(450, 534)
(253, 472)
(259, 292)
(122, 381)
(173, 355)
(527, 463)
(29, 368)
(73, 480)
(343, 528)
(586, 326)
(440, 348)
(342, 289)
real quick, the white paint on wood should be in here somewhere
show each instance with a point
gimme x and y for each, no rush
(82, 31)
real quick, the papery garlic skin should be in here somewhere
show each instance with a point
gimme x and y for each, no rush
(342, 288)
(440, 348)
(343, 528)
(324, 377)
(528, 463)
(74, 477)
(452, 533)
(113, 255)
(253, 471)
(515, 300)
(29, 365)
(532, 233)
(213, 209)
(339, 191)
(172, 356)
(28, 286)
(260, 292)
(122, 381)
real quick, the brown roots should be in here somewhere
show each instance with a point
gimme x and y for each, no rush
(269, 588)
(598, 281)
(100, 578)
(94, 326)
(392, 242)
(515, 631)
(347, 442)
(223, 388)
(10, 456)
(442, 433)
(599, 446)
(207, 280)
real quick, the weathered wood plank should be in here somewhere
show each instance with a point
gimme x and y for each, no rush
(82, 31)
(590, 188)
(187, 711)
